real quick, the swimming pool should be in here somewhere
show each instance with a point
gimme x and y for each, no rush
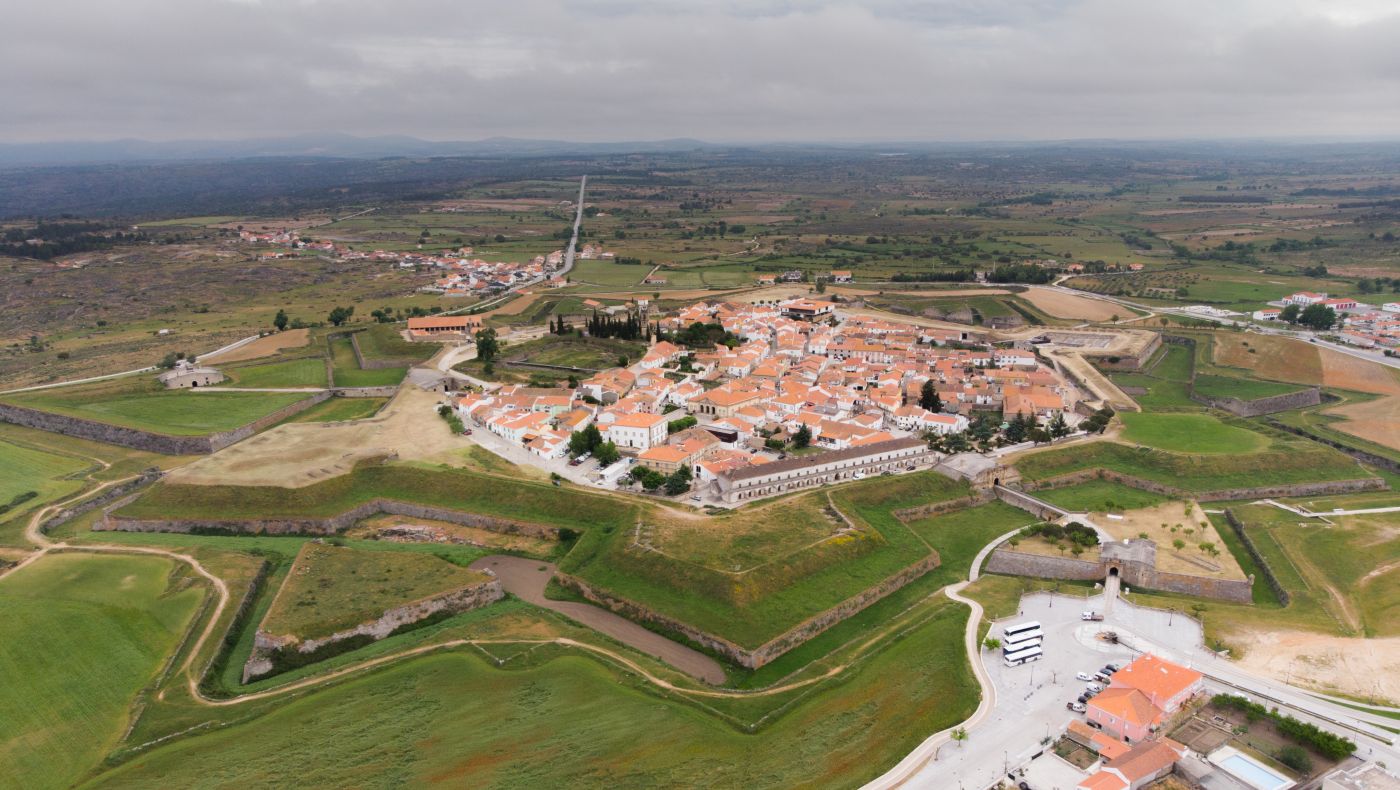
(1249, 770)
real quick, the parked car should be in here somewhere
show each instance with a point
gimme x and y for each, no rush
(858, 476)
(1083, 698)
(1094, 688)
(1083, 676)
(695, 498)
(1101, 678)
(1077, 707)
(1111, 667)
(1095, 616)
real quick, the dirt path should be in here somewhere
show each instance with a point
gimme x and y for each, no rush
(526, 579)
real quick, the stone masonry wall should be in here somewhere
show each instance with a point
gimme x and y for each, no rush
(460, 600)
(328, 525)
(1016, 563)
(765, 653)
(107, 496)
(1254, 408)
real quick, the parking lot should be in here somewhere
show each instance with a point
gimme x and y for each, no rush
(1030, 708)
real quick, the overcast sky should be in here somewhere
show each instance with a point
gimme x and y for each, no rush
(732, 70)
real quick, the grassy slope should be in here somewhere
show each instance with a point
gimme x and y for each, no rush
(1100, 496)
(488, 495)
(139, 402)
(1189, 433)
(347, 372)
(332, 588)
(24, 469)
(1285, 462)
(94, 630)
(305, 372)
(338, 409)
(451, 719)
(383, 341)
(600, 558)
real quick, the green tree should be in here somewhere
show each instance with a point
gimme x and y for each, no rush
(928, 397)
(1058, 426)
(487, 346)
(339, 315)
(1318, 316)
(1289, 313)
(991, 643)
(678, 482)
(280, 320)
(607, 454)
(802, 438)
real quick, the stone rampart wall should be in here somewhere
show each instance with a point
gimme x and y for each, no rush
(460, 600)
(375, 364)
(328, 525)
(765, 653)
(1254, 408)
(1361, 455)
(1017, 563)
(107, 496)
(364, 392)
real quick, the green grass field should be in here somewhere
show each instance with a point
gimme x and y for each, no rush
(1100, 496)
(338, 409)
(306, 372)
(1242, 388)
(347, 373)
(958, 536)
(24, 469)
(454, 719)
(383, 341)
(331, 588)
(139, 402)
(1190, 433)
(94, 630)
(488, 495)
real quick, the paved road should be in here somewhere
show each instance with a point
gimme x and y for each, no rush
(526, 579)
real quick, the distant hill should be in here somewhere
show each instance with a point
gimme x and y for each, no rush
(336, 146)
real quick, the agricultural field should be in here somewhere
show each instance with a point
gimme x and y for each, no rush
(140, 402)
(113, 621)
(331, 588)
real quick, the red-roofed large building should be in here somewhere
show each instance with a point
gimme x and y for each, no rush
(1143, 764)
(1141, 696)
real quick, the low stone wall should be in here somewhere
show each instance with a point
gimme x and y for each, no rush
(1018, 563)
(364, 392)
(328, 525)
(1256, 492)
(1254, 408)
(375, 364)
(1260, 560)
(107, 496)
(460, 600)
(149, 441)
(765, 653)
(937, 508)
(1044, 511)
(1361, 455)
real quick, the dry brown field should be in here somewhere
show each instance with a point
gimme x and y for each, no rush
(1063, 305)
(263, 346)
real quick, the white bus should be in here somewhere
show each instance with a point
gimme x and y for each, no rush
(1020, 639)
(1023, 656)
(1016, 628)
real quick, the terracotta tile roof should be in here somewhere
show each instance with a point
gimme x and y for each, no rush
(1127, 704)
(1158, 679)
(1147, 759)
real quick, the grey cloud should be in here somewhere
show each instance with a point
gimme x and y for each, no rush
(729, 70)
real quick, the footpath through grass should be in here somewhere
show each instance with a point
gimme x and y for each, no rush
(82, 634)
